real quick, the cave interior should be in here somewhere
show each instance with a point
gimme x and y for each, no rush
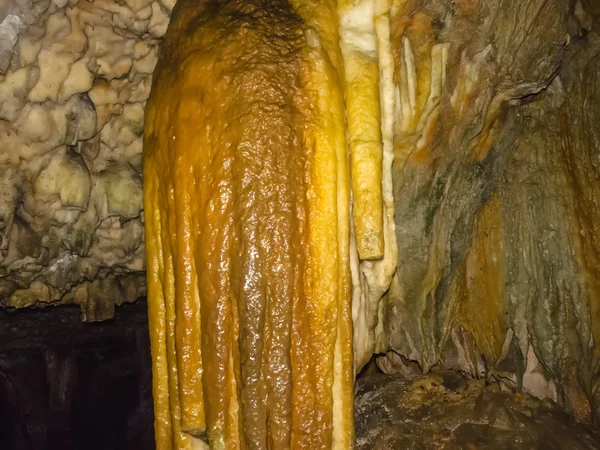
(422, 177)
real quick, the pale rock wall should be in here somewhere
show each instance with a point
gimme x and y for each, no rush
(74, 78)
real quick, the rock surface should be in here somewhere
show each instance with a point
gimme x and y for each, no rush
(69, 385)
(496, 187)
(449, 412)
(74, 78)
(496, 138)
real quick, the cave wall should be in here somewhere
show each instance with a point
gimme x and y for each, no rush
(74, 78)
(496, 190)
(70, 385)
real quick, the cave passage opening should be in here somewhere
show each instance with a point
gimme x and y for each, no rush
(66, 384)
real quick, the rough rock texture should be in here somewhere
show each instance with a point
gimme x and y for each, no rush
(496, 190)
(74, 77)
(445, 411)
(247, 206)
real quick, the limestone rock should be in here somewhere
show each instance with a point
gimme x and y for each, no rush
(495, 138)
(447, 411)
(74, 78)
(496, 193)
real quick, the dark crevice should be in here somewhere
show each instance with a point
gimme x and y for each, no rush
(70, 385)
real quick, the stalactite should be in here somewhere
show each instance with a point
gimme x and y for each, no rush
(248, 229)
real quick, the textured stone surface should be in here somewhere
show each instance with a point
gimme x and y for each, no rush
(496, 191)
(246, 195)
(495, 134)
(74, 77)
(446, 411)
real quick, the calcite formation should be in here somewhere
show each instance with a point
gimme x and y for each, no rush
(74, 78)
(465, 226)
(472, 140)
(247, 197)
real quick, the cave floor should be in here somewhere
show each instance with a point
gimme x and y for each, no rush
(69, 385)
(445, 411)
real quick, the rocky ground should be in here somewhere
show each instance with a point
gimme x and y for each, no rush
(446, 411)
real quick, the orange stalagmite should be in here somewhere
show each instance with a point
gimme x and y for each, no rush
(247, 196)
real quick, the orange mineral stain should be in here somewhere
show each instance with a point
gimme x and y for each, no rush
(247, 206)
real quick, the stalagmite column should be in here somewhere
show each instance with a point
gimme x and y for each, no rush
(247, 214)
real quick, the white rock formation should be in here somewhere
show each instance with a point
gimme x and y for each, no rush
(74, 77)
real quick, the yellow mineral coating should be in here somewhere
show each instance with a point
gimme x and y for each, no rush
(322, 16)
(247, 200)
(371, 278)
(481, 305)
(359, 48)
(167, 410)
(326, 287)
